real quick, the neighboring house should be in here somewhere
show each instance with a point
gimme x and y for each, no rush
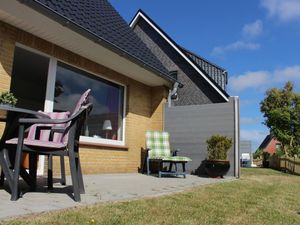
(51, 51)
(203, 107)
(270, 144)
(204, 82)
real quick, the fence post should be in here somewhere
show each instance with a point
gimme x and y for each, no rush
(294, 164)
(285, 166)
(236, 110)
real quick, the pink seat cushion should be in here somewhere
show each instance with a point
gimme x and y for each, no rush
(38, 143)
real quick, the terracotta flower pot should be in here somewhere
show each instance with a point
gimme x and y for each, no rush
(216, 168)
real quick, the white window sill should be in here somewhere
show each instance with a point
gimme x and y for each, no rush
(102, 142)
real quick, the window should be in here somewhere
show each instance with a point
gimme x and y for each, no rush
(106, 118)
(41, 82)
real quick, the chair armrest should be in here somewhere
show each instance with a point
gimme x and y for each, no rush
(174, 152)
(43, 121)
(147, 152)
(58, 130)
(55, 121)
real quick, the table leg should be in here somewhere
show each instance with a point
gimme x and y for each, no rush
(17, 167)
(2, 178)
(5, 166)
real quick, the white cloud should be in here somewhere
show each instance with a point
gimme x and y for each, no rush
(238, 45)
(67, 103)
(288, 73)
(247, 102)
(263, 79)
(249, 120)
(255, 136)
(249, 80)
(249, 31)
(252, 30)
(284, 10)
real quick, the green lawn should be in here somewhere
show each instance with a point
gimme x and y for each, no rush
(261, 196)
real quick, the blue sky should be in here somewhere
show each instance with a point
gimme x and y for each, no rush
(257, 41)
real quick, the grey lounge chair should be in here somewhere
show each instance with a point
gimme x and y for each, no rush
(158, 150)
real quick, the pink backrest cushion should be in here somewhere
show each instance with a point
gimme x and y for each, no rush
(57, 137)
(82, 101)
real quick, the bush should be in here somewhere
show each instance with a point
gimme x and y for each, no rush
(258, 153)
(8, 98)
(218, 146)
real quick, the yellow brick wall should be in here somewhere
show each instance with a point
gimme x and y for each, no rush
(7, 45)
(144, 104)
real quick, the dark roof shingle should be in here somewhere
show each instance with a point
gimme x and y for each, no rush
(100, 19)
(217, 73)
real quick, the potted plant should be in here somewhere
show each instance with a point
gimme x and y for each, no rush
(217, 164)
(7, 98)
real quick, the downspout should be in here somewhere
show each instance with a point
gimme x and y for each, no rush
(173, 94)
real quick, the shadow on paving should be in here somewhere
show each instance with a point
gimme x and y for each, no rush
(98, 188)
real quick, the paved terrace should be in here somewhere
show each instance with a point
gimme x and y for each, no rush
(99, 189)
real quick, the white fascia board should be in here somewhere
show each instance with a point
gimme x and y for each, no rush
(25, 18)
(133, 23)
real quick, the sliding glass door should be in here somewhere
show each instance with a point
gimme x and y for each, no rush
(29, 79)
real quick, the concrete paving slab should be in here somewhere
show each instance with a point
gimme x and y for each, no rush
(99, 188)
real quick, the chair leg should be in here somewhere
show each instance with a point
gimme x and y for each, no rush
(33, 169)
(148, 166)
(145, 164)
(50, 172)
(170, 167)
(17, 166)
(183, 169)
(161, 164)
(2, 178)
(62, 170)
(80, 178)
(74, 175)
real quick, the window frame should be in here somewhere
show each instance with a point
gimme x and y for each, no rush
(49, 101)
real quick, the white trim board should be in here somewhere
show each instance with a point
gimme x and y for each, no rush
(134, 22)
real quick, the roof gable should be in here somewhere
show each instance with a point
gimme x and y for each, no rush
(265, 142)
(188, 56)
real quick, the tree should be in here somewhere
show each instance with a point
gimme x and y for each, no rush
(281, 109)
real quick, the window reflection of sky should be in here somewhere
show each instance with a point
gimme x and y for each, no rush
(104, 95)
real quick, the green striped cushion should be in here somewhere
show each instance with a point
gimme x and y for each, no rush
(177, 159)
(158, 143)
